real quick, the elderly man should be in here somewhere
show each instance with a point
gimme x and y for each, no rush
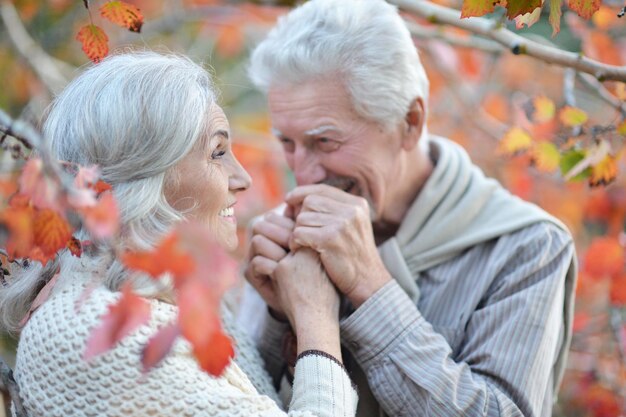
(460, 294)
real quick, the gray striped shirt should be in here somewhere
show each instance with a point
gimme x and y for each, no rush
(482, 340)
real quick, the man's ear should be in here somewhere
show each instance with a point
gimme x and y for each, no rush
(414, 122)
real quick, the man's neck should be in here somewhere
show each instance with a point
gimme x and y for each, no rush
(419, 168)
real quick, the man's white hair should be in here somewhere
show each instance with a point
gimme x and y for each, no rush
(364, 42)
(135, 115)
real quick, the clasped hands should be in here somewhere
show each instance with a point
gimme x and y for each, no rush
(322, 246)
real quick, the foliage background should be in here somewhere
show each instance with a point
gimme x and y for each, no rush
(477, 94)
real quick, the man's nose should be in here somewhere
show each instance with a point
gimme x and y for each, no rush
(307, 167)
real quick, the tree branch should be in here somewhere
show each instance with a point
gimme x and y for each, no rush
(515, 43)
(47, 68)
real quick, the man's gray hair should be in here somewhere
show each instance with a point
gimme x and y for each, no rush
(364, 42)
(135, 115)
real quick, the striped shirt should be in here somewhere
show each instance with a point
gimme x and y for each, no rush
(481, 341)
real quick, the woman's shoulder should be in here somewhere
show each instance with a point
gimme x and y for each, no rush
(56, 380)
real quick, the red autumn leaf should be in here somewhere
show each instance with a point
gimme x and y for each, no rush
(101, 187)
(601, 401)
(42, 191)
(8, 186)
(199, 322)
(159, 346)
(584, 8)
(123, 317)
(51, 234)
(604, 257)
(102, 220)
(75, 247)
(167, 257)
(123, 14)
(94, 41)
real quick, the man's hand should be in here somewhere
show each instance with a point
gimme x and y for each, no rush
(337, 225)
(268, 246)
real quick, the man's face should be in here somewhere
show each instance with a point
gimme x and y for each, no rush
(326, 141)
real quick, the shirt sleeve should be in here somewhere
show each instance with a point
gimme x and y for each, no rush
(510, 343)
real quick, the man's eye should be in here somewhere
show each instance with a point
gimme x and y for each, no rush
(288, 144)
(327, 145)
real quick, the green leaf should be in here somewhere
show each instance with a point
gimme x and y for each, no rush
(569, 160)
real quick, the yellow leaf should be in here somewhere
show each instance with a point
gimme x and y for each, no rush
(477, 7)
(514, 141)
(544, 109)
(546, 156)
(555, 16)
(604, 172)
(572, 116)
(594, 156)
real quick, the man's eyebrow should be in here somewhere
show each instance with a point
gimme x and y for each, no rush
(223, 133)
(277, 133)
(319, 130)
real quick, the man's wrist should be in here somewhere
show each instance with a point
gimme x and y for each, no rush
(365, 289)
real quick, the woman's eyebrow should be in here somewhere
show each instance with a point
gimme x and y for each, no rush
(221, 132)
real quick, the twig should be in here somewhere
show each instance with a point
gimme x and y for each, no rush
(484, 45)
(597, 87)
(515, 43)
(10, 386)
(46, 67)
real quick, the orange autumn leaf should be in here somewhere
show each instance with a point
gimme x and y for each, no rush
(514, 141)
(598, 206)
(101, 220)
(602, 47)
(584, 8)
(604, 172)
(8, 186)
(621, 128)
(604, 257)
(199, 323)
(51, 233)
(166, 257)
(497, 106)
(545, 156)
(159, 346)
(122, 318)
(19, 223)
(572, 116)
(515, 8)
(94, 42)
(123, 14)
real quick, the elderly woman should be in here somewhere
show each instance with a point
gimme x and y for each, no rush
(151, 123)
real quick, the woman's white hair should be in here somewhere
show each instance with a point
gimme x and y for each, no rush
(135, 115)
(364, 42)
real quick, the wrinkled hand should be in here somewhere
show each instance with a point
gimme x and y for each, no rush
(337, 225)
(306, 294)
(268, 246)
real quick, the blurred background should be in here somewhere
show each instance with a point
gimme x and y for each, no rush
(479, 92)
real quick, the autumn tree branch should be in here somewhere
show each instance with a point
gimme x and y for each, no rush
(513, 42)
(49, 70)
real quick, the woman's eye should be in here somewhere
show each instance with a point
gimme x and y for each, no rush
(217, 154)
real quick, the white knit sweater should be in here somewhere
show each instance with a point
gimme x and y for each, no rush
(56, 381)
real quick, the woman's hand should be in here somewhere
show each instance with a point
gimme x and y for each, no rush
(310, 301)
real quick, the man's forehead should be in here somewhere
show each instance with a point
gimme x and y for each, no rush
(318, 130)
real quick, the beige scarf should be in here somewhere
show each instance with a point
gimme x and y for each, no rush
(459, 208)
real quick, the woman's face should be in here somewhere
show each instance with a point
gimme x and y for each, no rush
(204, 183)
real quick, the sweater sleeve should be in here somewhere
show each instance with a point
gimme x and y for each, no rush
(504, 366)
(55, 381)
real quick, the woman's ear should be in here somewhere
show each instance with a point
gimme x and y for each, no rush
(414, 122)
